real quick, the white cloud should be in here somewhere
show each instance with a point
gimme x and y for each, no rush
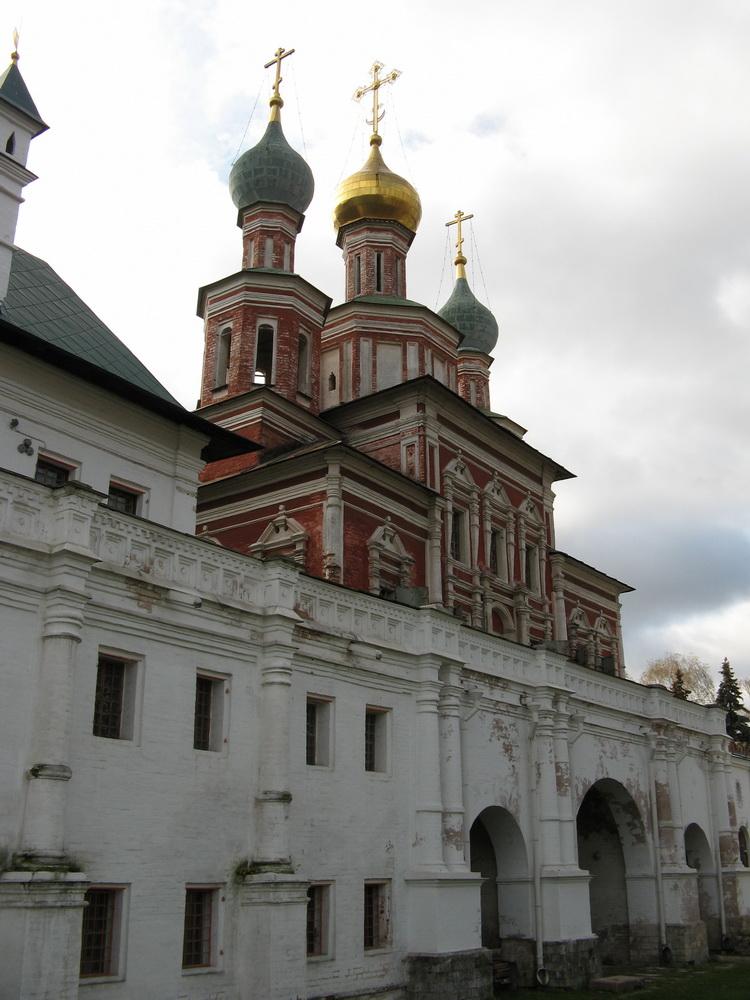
(733, 298)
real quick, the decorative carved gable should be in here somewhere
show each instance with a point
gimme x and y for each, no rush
(283, 536)
(459, 472)
(494, 492)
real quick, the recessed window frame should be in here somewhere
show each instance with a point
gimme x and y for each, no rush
(127, 692)
(65, 467)
(223, 357)
(115, 932)
(377, 930)
(262, 327)
(319, 922)
(304, 363)
(137, 493)
(319, 730)
(459, 540)
(213, 896)
(214, 688)
(377, 738)
(743, 846)
(379, 271)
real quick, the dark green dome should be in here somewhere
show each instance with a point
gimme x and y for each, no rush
(464, 311)
(272, 171)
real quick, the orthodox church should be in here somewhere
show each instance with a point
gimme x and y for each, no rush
(300, 696)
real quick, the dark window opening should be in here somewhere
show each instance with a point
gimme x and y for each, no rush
(316, 914)
(50, 473)
(495, 542)
(122, 500)
(108, 701)
(744, 848)
(264, 355)
(357, 275)
(331, 382)
(311, 733)
(204, 694)
(223, 354)
(10, 145)
(378, 272)
(375, 926)
(97, 934)
(457, 533)
(196, 946)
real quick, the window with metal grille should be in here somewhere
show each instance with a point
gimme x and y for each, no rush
(108, 701)
(51, 473)
(311, 733)
(208, 725)
(98, 934)
(317, 920)
(197, 943)
(376, 916)
(376, 733)
(744, 848)
(123, 500)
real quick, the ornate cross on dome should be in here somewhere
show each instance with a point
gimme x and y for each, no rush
(460, 260)
(276, 102)
(377, 83)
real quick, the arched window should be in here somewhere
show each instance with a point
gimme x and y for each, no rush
(303, 364)
(264, 355)
(223, 352)
(10, 145)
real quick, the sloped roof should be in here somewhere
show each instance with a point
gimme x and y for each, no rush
(15, 92)
(40, 302)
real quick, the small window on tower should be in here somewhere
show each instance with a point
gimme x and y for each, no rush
(303, 364)
(223, 352)
(457, 546)
(378, 272)
(358, 275)
(264, 356)
(10, 145)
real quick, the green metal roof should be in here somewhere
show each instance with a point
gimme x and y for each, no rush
(464, 311)
(39, 302)
(272, 171)
(15, 92)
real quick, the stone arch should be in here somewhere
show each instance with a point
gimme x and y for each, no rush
(698, 855)
(501, 621)
(614, 847)
(498, 852)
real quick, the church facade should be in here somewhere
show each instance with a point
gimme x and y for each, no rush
(300, 697)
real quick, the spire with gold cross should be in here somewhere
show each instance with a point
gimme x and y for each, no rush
(378, 81)
(14, 54)
(276, 101)
(460, 261)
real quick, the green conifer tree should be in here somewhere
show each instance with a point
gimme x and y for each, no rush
(677, 687)
(729, 698)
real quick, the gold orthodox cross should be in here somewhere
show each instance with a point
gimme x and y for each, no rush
(276, 101)
(377, 83)
(456, 221)
(14, 53)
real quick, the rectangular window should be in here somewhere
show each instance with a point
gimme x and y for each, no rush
(377, 915)
(122, 499)
(498, 553)
(51, 473)
(268, 253)
(376, 739)
(532, 568)
(100, 934)
(318, 732)
(318, 906)
(358, 275)
(208, 727)
(114, 701)
(457, 546)
(223, 355)
(378, 272)
(199, 939)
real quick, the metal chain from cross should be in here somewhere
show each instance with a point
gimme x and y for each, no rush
(377, 82)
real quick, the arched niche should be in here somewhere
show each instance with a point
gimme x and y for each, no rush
(498, 852)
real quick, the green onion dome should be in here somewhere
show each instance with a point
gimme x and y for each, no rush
(272, 171)
(464, 311)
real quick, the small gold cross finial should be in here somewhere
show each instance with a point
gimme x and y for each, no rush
(377, 112)
(276, 102)
(460, 260)
(14, 54)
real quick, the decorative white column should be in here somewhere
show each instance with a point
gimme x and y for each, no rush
(428, 852)
(333, 529)
(451, 775)
(434, 554)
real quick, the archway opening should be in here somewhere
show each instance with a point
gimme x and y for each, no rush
(612, 846)
(498, 853)
(699, 857)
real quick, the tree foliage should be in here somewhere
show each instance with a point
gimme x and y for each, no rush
(696, 675)
(678, 688)
(729, 697)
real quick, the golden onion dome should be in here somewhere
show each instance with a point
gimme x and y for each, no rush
(375, 192)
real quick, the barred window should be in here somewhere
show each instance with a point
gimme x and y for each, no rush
(51, 473)
(123, 500)
(208, 725)
(100, 932)
(376, 926)
(317, 920)
(197, 944)
(110, 687)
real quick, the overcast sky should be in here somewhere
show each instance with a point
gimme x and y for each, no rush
(604, 148)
